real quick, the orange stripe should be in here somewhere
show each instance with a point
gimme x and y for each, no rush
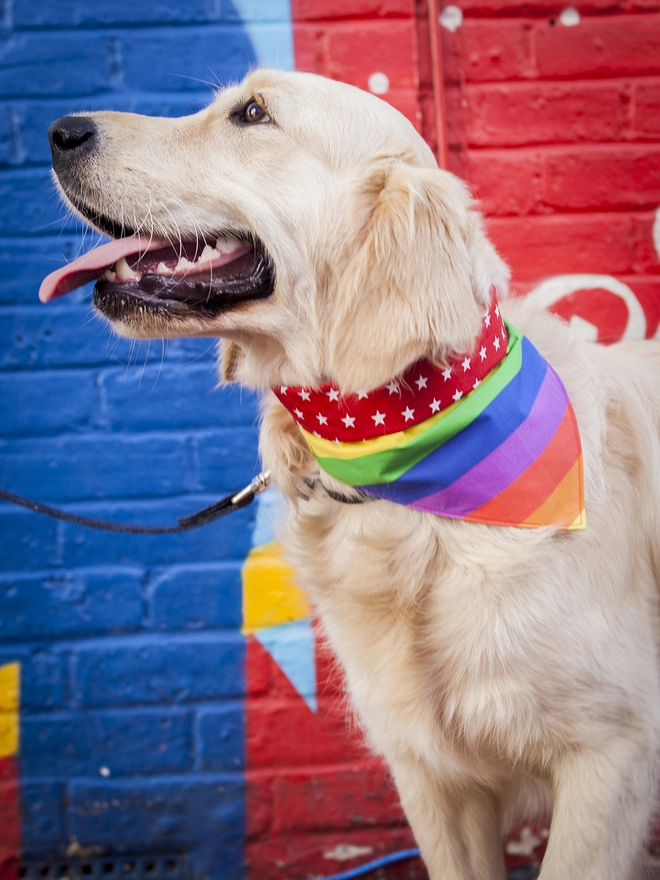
(565, 504)
(521, 499)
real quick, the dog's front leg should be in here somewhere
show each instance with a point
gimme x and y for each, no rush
(603, 804)
(457, 828)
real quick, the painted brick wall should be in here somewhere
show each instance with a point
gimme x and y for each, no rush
(553, 118)
(132, 663)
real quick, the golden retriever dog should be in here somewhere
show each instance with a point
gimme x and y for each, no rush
(496, 669)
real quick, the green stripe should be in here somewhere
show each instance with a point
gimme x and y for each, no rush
(389, 465)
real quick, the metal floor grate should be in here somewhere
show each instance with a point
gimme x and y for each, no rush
(150, 867)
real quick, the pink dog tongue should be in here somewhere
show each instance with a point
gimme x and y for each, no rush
(94, 263)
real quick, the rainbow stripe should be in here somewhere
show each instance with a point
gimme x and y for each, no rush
(507, 454)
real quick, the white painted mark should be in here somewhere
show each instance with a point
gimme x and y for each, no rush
(569, 17)
(553, 289)
(104, 771)
(379, 83)
(451, 18)
(656, 232)
(344, 851)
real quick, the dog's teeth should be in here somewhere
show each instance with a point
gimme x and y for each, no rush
(208, 254)
(162, 269)
(124, 271)
(109, 275)
(183, 264)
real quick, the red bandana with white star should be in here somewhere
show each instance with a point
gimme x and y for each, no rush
(422, 391)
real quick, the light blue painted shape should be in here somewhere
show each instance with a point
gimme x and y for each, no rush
(268, 25)
(270, 514)
(291, 645)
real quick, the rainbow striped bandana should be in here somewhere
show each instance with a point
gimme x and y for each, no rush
(506, 453)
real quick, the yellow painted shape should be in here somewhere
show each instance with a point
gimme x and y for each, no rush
(270, 593)
(9, 704)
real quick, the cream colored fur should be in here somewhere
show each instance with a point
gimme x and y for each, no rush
(497, 670)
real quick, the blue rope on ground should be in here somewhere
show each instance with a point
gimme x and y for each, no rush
(377, 863)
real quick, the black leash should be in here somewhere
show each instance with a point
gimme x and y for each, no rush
(206, 515)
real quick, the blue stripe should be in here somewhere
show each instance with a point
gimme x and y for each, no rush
(488, 431)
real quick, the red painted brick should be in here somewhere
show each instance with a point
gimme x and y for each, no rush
(505, 181)
(647, 291)
(534, 113)
(536, 247)
(646, 252)
(352, 51)
(536, 7)
(287, 855)
(647, 110)
(328, 735)
(336, 797)
(452, 55)
(258, 666)
(315, 10)
(496, 49)
(618, 45)
(602, 177)
(258, 802)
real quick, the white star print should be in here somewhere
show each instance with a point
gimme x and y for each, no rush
(435, 406)
(316, 434)
(284, 389)
(458, 395)
(362, 394)
(349, 421)
(323, 420)
(298, 413)
(496, 343)
(304, 394)
(497, 311)
(333, 394)
(336, 440)
(504, 335)
(466, 365)
(446, 374)
(392, 387)
(487, 320)
(483, 353)
(408, 413)
(477, 382)
(379, 418)
(421, 382)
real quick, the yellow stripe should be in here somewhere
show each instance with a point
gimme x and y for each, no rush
(270, 593)
(328, 449)
(9, 706)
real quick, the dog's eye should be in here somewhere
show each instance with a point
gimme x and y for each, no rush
(250, 113)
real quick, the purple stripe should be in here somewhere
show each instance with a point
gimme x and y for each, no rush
(505, 464)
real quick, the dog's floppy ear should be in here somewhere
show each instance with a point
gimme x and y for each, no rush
(417, 281)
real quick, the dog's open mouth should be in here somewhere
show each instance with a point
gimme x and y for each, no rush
(190, 277)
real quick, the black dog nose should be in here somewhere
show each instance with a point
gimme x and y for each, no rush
(72, 133)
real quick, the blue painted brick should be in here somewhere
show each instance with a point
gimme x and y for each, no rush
(43, 818)
(179, 59)
(197, 597)
(173, 396)
(29, 204)
(55, 13)
(47, 403)
(159, 669)
(227, 538)
(24, 262)
(165, 815)
(76, 63)
(85, 466)
(123, 743)
(44, 677)
(28, 542)
(71, 335)
(60, 603)
(220, 738)
(224, 458)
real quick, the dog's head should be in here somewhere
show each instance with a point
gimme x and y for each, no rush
(300, 219)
